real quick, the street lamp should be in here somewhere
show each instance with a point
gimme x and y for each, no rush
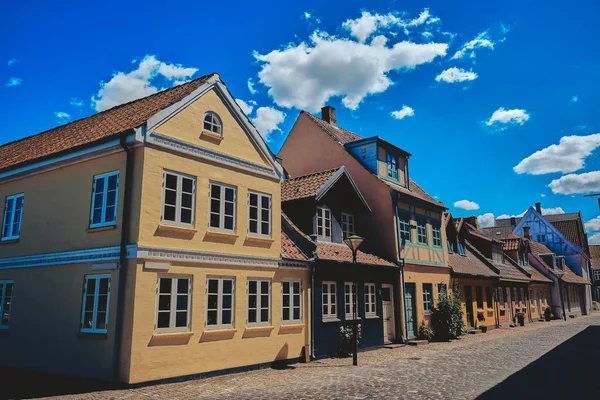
(354, 242)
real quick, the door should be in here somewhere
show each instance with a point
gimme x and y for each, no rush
(389, 324)
(409, 304)
(469, 305)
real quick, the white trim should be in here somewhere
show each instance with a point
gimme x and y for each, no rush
(173, 304)
(323, 210)
(333, 179)
(348, 232)
(221, 199)
(291, 306)
(351, 299)
(157, 266)
(105, 266)
(203, 257)
(259, 209)
(219, 123)
(259, 308)
(329, 303)
(219, 309)
(372, 304)
(178, 196)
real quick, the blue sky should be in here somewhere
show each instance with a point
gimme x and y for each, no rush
(476, 88)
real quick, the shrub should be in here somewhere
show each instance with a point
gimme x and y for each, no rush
(346, 339)
(425, 332)
(447, 317)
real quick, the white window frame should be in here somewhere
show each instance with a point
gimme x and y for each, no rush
(222, 202)
(597, 276)
(436, 235)
(219, 308)
(291, 306)
(427, 300)
(103, 221)
(350, 298)
(173, 309)
(179, 192)
(327, 300)
(370, 300)
(11, 224)
(422, 232)
(260, 209)
(3, 297)
(97, 278)
(259, 308)
(218, 125)
(347, 225)
(391, 162)
(405, 228)
(321, 215)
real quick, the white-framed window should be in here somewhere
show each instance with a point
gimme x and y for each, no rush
(6, 294)
(212, 123)
(436, 235)
(347, 225)
(323, 222)
(427, 297)
(370, 300)
(291, 292)
(222, 206)
(179, 198)
(13, 214)
(329, 300)
(350, 300)
(173, 301)
(597, 275)
(392, 166)
(220, 298)
(259, 301)
(404, 227)
(422, 232)
(259, 213)
(105, 193)
(96, 302)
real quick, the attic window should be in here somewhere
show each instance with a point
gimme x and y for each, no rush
(212, 123)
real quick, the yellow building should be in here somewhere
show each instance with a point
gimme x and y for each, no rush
(144, 242)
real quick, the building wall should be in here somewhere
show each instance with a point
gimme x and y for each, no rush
(512, 303)
(45, 321)
(488, 313)
(539, 299)
(423, 253)
(157, 356)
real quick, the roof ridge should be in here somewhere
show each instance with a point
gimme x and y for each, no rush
(313, 174)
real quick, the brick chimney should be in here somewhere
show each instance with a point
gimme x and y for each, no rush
(473, 221)
(526, 233)
(513, 221)
(328, 115)
(538, 208)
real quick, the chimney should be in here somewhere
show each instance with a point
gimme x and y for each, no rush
(526, 233)
(538, 208)
(473, 221)
(513, 221)
(328, 115)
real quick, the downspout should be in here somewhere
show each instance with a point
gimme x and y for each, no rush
(495, 295)
(123, 254)
(402, 299)
(312, 311)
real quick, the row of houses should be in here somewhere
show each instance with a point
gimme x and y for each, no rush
(163, 238)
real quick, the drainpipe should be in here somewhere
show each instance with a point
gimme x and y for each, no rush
(312, 311)
(403, 300)
(123, 254)
(495, 296)
(404, 338)
(562, 300)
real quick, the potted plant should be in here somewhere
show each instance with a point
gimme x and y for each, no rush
(548, 314)
(425, 332)
(483, 328)
(521, 318)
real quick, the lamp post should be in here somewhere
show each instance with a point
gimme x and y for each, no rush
(354, 242)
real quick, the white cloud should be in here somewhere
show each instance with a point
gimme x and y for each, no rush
(405, 111)
(76, 102)
(12, 62)
(307, 15)
(246, 107)
(593, 224)
(14, 82)
(503, 116)
(574, 99)
(545, 211)
(486, 220)
(566, 156)
(576, 183)
(427, 35)
(466, 205)
(251, 86)
(128, 86)
(480, 41)
(452, 75)
(306, 75)
(267, 120)
(594, 239)
(62, 116)
(543, 195)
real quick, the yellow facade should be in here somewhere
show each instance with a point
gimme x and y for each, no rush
(485, 310)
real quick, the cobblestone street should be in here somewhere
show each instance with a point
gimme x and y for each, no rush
(493, 365)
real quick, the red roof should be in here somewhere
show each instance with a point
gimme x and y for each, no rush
(569, 276)
(305, 186)
(341, 252)
(291, 236)
(94, 128)
(289, 249)
(469, 264)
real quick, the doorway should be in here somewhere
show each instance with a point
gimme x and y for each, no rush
(469, 306)
(409, 304)
(389, 323)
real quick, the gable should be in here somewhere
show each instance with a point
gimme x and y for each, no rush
(538, 225)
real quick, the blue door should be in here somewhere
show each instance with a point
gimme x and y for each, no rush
(409, 305)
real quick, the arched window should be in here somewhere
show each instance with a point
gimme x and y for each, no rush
(212, 123)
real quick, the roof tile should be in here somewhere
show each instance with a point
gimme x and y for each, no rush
(341, 252)
(305, 186)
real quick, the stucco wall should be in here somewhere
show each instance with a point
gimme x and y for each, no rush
(489, 313)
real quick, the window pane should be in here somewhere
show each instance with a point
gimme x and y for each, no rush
(163, 320)
(227, 286)
(251, 315)
(264, 287)
(165, 285)
(9, 287)
(296, 313)
(286, 287)
(226, 317)
(182, 302)
(296, 301)
(227, 301)
(171, 181)
(186, 216)
(102, 303)
(109, 216)
(89, 303)
(87, 320)
(101, 320)
(213, 286)
(183, 285)
(252, 286)
(91, 286)
(181, 319)
(164, 302)
(228, 208)
(187, 185)
(228, 223)
(229, 194)
(215, 191)
(103, 286)
(265, 200)
(253, 227)
(211, 318)
(170, 197)
(253, 213)
(169, 213)
(186, 200)
(213, 300)
(252, 301)
(253, 199)
(264, 301)
(286, 314)
(264, 315)
(297, 287)
(214, 220)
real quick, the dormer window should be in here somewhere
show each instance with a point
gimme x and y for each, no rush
(323, 222)
(449, 246)
(392, 166)
(212, 123)
(461, 249)
(347, 225)
(497, 254)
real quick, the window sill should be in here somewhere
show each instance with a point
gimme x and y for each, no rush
(221, 233)
(260, 239)
(93, 335)
(372, 317)
(172, 334)
(259, 328)
(177, 228)
(9, 241)
(350, 318)
(331, 319)
(218, 330)
(101, 228)
(211, 135)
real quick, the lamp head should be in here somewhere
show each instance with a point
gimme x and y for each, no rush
(353, 242)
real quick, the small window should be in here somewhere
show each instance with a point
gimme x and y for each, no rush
(442, 289)
(6, 293)
(501, 296)
(173, 301)
(323, 222)
(291, 292)
(370, 300)
(488, 296)
(392, 166)
(541, 238)
(222, 206)
(404, 226)
(479, 297)
(422, 232)
(219, 302)
(96, 301)
(347, 225)
(461, 249)
(13, 213)
(212, 123)
(597, 276)
(179, 197)
(449, 246)
(259, 301)
(104, 200)
(329, 300)
(427, 297)
(350, 300)
(436, 235)
(259, 213)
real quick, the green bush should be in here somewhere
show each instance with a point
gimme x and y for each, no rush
(447, 317)
(346, 339)
(425, 332)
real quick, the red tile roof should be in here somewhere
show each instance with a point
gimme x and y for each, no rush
(289, 249)
(94, 128)
(341, 252)
(498, 232)
(569, 276)
(572, 277)
(511, 244)
(595, 253)
(469, 264)
(291, 237)
(305, 186)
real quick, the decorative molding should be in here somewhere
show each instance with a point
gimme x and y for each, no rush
(105, 266)
(288, 263)
(203, 153)
(158, 266)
